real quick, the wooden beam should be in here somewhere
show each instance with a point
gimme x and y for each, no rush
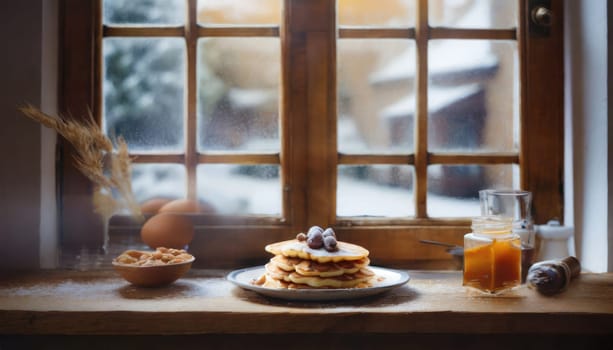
(421, 118)
(481, 34)
(542, 115)
(376, 33)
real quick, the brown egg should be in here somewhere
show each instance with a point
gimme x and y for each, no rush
(180, 206)
(153, 205)
(167, 230)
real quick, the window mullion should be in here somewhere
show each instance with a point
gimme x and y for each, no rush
(309, 105)
(542, 110)
(376, 33)
(421, 117)
(471, 33)
(191, 156)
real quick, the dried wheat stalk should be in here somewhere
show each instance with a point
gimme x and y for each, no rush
(92, 148)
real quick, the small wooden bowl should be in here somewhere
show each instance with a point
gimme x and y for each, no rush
(153, 276)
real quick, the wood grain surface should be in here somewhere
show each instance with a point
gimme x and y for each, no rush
(204, 302)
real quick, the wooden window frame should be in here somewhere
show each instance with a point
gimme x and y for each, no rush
(308, 34)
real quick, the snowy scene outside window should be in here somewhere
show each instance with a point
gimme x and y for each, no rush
(472, 103)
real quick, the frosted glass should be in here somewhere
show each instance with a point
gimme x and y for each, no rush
(375, 190)
(143, 12)
(238, 94)
(453, 190)
(241, 189)
(374, 77)
(144, 80)
(483, 14)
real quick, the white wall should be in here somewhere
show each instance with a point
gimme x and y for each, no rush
(589, 202)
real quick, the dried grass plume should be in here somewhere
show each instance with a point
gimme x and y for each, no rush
(93, 151)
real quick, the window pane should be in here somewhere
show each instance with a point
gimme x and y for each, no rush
(375, 190)
(150, 181)
(241, 189)
(453, 190)
(144, 12)
(375, 80)
(238, 94)
(473, 13)
(144, 82)
(473, 99)
(389, 13)
(245, 12)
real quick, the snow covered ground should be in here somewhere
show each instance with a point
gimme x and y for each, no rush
(232, 192)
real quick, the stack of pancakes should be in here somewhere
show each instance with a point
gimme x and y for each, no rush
(296, 266)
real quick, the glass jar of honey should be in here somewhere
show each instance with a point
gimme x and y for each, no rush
(492, 255)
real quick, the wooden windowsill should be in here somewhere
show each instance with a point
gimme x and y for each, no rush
(203, 302)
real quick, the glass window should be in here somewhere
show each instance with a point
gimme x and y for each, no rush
(454, 188)
(155, 181)
(174, 99)
(241, 189)
(239, 12)
(144, 12)
(375, 80)
(373, 117)
(473, 13)
(381, 13)
(238, 94)
(375, 190)
(473, 100)
(144, 82)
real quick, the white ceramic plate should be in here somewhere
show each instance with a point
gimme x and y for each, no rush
(389, 279)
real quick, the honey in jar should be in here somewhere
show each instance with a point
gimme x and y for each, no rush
(492, 255)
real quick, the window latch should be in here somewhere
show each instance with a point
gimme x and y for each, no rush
(540, 18)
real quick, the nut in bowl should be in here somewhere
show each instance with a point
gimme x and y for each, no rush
(153, 268)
